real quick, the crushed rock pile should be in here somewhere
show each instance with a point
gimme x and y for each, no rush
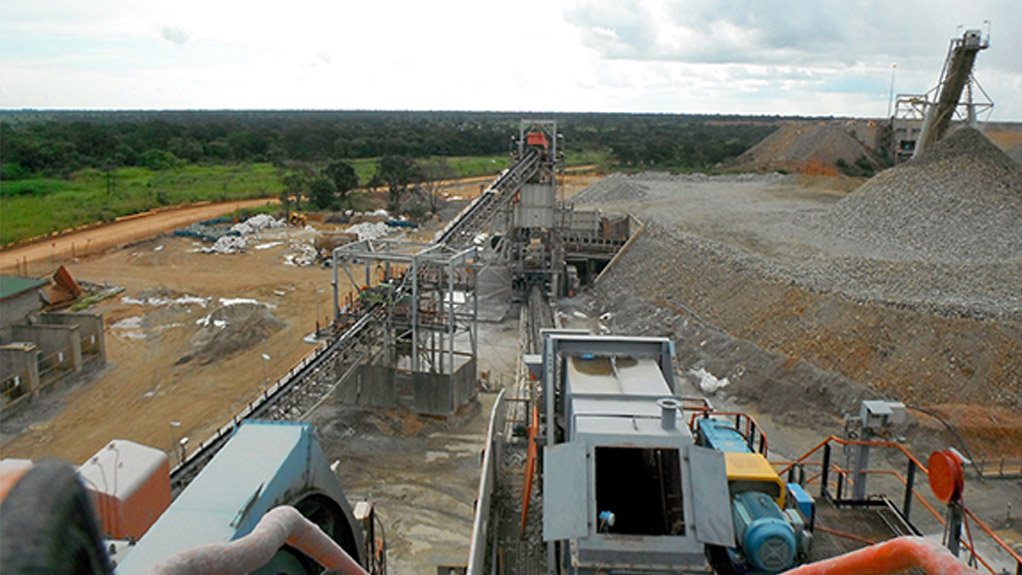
(616, 187)
(227, 245)
(232, 327)
(795, 147)
(1016, 154)
(302, 254)
(369, 231)
(257, 223)
(959, 201)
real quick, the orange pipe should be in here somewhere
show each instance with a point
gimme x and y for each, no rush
(892, 556)
(530, 466)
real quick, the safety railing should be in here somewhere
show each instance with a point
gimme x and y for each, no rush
(744, 423)
(834, 484)
(999, 468)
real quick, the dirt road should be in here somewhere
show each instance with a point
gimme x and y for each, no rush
(42, 255)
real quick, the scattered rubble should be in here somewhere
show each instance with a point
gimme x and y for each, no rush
(369, 231)
(227, 245)
(235, 325)
(301, 254)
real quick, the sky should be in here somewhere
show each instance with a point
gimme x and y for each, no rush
(797, 57)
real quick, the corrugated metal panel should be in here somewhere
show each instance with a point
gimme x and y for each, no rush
(11, 286)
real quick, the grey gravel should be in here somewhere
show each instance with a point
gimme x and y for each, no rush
(970, 264)
(961, 201)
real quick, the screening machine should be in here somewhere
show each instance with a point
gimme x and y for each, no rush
(628, 486)
(637, 478)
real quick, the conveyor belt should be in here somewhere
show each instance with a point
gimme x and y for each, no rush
(459, 232)
(282, 392)
(471, 220)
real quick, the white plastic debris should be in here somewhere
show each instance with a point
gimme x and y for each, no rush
(134, 322)
(262, 221)
(229, 301)
(208, 320)
(368, 231)
(707, 382)
(227, 245)
(301, 255)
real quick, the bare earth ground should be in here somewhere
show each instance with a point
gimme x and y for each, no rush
(41, 255)
(422, 473)
(144, 388)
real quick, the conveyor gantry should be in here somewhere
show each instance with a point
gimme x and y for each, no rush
(481, 211)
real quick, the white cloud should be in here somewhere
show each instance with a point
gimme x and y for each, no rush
(174, 34)
(728, 56)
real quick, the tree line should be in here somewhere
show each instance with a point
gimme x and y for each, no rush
(329, 187)
(58, 143)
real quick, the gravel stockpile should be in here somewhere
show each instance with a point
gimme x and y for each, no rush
(622, 188)
(613, 188)
(961, 201)
(1016, 154)
(773, 227)
(899, 347)
(977, 291)
(796, 146)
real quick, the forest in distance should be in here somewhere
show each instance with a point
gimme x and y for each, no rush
(62, 169)
(56, 144)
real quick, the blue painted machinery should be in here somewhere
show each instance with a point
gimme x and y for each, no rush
(769, 516)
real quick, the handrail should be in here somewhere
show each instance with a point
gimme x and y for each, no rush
(751, 425)
(843, 441)
(915, 461)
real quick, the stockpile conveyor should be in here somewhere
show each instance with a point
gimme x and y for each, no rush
(464, 227)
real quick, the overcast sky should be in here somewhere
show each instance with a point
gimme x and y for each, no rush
(806, 57)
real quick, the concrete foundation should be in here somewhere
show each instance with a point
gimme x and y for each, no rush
(60, 348)
(90, 332)
(19, 372)
(438, 394)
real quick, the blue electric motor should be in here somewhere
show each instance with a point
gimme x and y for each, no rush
(765, 538)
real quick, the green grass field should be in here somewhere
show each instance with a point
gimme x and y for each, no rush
(38, 206)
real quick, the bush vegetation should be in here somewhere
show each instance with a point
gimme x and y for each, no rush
(67, 168)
